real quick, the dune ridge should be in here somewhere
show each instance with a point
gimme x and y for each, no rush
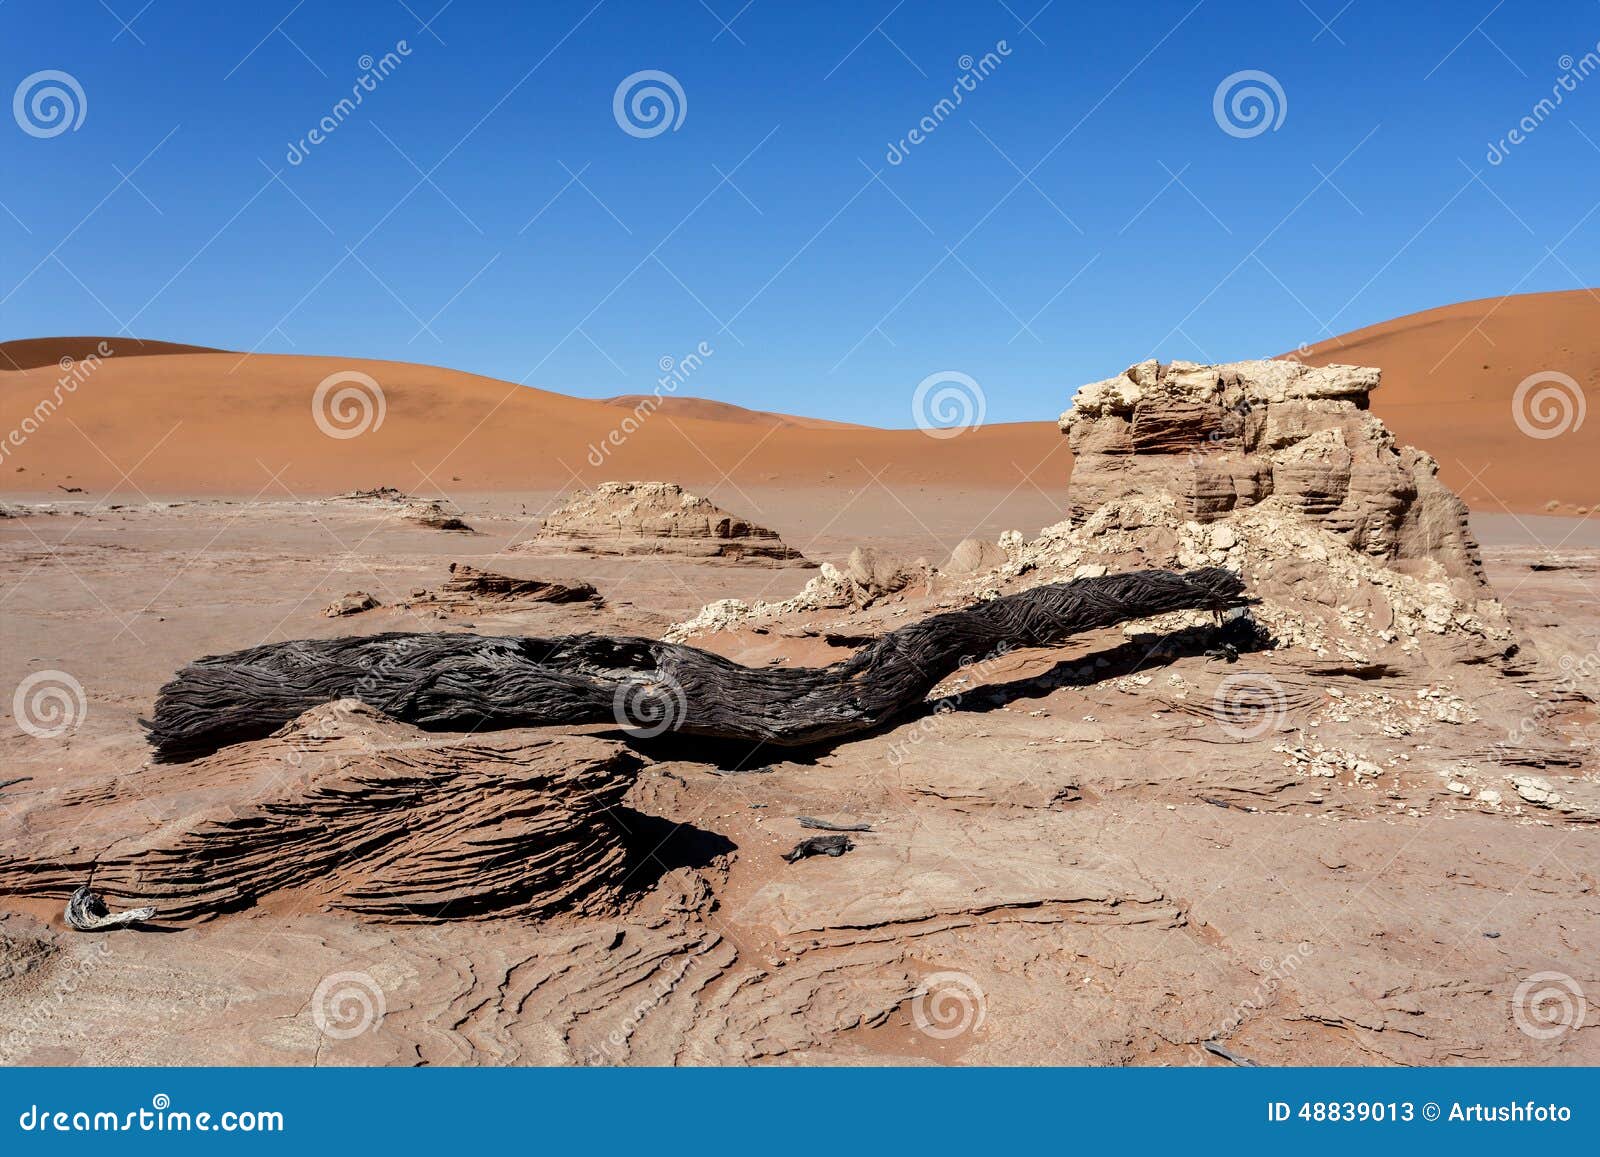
(190, 420)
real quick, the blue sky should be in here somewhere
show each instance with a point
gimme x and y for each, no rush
(1081, 209)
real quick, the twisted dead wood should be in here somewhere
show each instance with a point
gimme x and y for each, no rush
(467, 682)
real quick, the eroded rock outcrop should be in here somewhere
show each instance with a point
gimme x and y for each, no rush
(1277, 470)
(647, 518)
(351, 811)
(1224, 438)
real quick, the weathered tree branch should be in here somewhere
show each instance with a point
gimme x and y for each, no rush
(467, 682)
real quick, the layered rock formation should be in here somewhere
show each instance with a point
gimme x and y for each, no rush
(649, 518)
(471, 588)
(352, 811)
(1227, 437)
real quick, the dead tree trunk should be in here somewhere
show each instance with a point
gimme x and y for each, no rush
(468, 682)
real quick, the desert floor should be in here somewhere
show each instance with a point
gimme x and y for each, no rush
(1081, 871)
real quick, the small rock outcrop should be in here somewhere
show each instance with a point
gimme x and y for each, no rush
(646, 518)
(434, 516)
(973, 556)
(474, 589)
(353, 603)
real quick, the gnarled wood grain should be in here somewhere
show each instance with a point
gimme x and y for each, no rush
(467, 682)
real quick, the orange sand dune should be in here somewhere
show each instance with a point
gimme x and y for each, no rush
(223, 423)
(681, 407)
(1449, 379)
(184, 420)
(31, 353)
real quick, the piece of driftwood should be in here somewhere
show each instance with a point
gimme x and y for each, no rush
(829, 826)
(1218, 1049)
(87, 912)
(468, 682)
(819, 846)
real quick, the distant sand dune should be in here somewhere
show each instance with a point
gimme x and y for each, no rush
(199, 421)
(1449, 377)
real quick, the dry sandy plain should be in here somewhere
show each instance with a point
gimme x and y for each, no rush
(1067, 863)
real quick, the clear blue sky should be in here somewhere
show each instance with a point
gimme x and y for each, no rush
(1142, 227)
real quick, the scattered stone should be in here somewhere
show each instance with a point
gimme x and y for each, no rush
(1536, 789)
(434, 516)
(351, 604)
(819, 846)
(974, 556)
